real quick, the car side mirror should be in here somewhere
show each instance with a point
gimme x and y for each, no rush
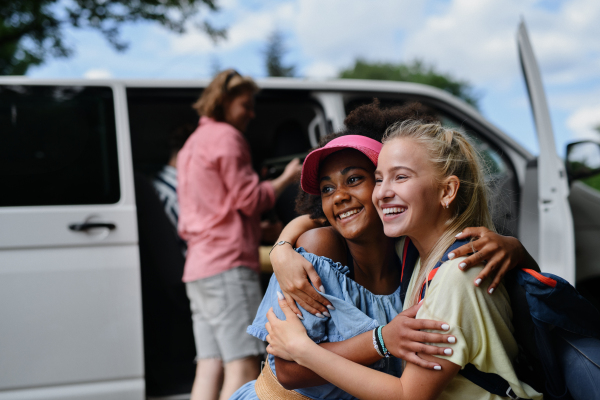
(583, 160)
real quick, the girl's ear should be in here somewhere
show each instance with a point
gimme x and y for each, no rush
(450, 187)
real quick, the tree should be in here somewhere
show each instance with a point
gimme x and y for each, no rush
(32, 30)
(274, 54)
(415, 71)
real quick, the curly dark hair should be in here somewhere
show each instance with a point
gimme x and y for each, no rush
(369, 120)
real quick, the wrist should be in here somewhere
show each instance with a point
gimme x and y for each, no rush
(300, 350)
(279, 243)
(386, 338)
(378, 337)
(276, 255)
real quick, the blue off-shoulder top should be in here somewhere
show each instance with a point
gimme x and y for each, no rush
(356, 311)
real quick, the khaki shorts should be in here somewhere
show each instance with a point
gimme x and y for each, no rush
(223, 306)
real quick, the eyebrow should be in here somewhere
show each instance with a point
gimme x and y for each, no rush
(394, 169)
(343, 172)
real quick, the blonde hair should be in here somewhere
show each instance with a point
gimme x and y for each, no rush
(451, 153)
(225, 86)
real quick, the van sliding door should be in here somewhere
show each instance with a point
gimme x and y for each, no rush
(69, 264)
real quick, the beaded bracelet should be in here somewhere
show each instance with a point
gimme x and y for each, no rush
(375, 343)
(385, 351)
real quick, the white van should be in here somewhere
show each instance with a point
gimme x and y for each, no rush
(91, 303)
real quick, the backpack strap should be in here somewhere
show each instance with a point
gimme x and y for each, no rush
(410, 255)
(493, 383)
(454, 246)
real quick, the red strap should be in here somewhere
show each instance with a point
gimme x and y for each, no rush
(544, 279)
(432, 274)
(429, 279)
(406, 242)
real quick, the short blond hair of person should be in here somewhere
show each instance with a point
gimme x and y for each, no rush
(225, 86)
(451, 153)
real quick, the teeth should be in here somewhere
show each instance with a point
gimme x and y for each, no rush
(393, 210)
(348, 213)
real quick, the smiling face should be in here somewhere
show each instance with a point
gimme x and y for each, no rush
(239, 111)
(346, 184)
(407, 194)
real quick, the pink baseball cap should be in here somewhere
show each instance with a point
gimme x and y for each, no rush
(310, 168)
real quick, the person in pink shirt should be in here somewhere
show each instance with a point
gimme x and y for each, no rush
(221, 200)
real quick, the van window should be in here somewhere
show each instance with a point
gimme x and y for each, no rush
(57, 146)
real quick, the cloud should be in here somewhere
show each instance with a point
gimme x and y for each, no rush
(97, 73)
(471, 39)
(584, 121)
(477, 39)
(333, 32)
(321, 70)
(248, 26)
(337, 31)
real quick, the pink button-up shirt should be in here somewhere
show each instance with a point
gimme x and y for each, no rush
(220, 201)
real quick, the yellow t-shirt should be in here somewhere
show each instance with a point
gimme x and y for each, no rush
(481, 324)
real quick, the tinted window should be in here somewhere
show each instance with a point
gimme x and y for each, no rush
(57, 146)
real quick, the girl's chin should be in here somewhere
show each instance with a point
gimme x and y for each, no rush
(393, 231)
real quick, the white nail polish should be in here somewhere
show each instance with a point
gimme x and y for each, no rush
(330, 307)
(491, 291)
(451, 256)
(451, 339)
(448, 352)
(325, 313)
(458, 234)
(437, 368)
(477, 281)
(462, 265)
(319, 315)
(445, 327)
(279, 295)
(300, 316)
(322, 289)
(421, 301)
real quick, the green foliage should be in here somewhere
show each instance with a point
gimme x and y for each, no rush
(593, 181)
(32, 30)
(274, 54)
(416, 71)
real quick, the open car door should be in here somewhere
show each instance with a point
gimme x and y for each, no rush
(556, 247)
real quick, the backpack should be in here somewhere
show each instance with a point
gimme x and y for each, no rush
(556, 329)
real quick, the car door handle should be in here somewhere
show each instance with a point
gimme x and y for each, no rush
(91, 225)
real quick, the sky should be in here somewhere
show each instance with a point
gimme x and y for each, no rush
(473, 40)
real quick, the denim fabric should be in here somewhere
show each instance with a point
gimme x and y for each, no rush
(246, 392)
(356, 311)
(567, 335)
(560, 305)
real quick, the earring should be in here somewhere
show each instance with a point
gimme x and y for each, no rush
(446, 204)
